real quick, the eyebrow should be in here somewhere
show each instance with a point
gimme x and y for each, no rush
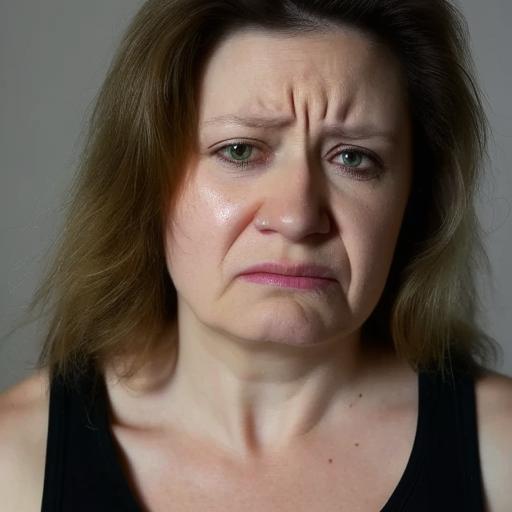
(273, 123)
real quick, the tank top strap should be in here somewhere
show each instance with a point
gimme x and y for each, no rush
(469, 443)
(57, 432)
(408, 495)
(456, 434)
(443, 473)
(80, 470)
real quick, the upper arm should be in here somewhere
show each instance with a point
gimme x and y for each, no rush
(494, 417)
(23, 433)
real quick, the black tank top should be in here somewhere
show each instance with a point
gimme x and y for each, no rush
(83, 472)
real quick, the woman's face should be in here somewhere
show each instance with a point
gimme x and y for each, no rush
(328, 185)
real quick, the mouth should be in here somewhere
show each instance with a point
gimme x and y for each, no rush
(300, 276)
(283, 281)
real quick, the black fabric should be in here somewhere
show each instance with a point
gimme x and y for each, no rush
(83, 472)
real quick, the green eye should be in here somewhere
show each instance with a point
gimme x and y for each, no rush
(354, 159)
(237, 154)
(240, 151)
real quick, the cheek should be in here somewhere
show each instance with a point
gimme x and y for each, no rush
(369, 235)
(196, 239)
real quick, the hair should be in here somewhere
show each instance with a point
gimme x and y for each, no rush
(108, 293)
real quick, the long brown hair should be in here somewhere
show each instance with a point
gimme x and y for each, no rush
(108, 292)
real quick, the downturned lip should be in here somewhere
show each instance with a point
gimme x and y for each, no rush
(292, 269)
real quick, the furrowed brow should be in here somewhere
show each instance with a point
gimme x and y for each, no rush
(250, 122)
(336, 130)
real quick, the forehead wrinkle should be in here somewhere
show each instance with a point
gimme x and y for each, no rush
(297, 90)
(289, 89)
(300, 102)
(342, 106)
(295, 102)
(263, 113)
(330, 102)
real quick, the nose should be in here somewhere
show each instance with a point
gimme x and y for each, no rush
(294, 201)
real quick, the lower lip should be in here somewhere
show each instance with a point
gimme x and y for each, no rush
(300, 282)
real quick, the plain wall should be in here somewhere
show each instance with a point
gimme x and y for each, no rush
(53, 58)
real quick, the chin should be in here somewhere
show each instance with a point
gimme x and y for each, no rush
(276, 330)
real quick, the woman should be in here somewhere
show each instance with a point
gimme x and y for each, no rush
(264, 297)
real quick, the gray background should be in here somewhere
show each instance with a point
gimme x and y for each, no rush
(53, 58)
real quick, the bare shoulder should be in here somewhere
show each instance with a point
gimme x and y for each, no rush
(494, 416)
(24, 411)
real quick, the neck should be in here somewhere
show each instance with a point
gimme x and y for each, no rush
(250, 398)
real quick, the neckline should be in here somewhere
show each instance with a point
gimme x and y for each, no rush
(396, 501)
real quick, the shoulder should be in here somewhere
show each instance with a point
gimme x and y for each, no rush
(494, 418)
(24, 409)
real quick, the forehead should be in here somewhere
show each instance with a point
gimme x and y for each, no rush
(332, 73)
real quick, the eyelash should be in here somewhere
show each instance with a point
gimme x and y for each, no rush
(352, 171)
